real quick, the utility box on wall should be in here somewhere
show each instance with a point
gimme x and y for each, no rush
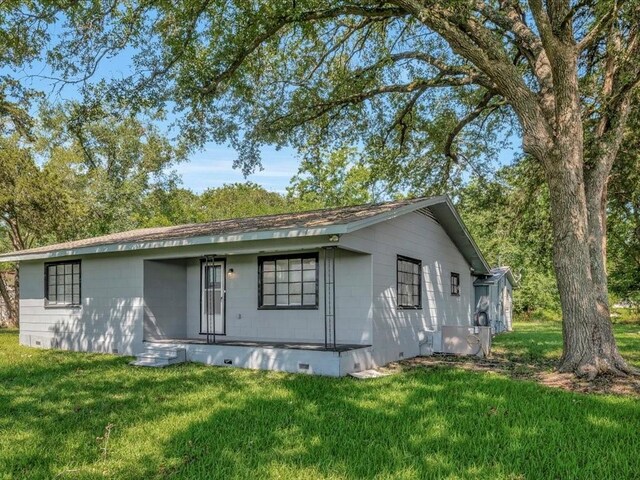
(466, 340)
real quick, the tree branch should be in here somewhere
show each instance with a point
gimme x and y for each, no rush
(279, 23)
(463, 122)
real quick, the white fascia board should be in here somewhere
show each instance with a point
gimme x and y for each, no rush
(178, 242)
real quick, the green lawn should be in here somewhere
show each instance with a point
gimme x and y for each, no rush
(193, 421)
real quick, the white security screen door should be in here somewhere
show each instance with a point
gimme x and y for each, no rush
(213, 297)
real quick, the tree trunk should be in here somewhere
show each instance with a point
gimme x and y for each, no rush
(578, 256)
(10, 301)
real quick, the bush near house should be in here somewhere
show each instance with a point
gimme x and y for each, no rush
(74, 415)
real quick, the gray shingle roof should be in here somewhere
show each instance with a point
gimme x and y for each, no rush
(285, 221)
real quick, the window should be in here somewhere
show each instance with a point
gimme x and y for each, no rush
(455, 283)
(62, 283)
(288, 281)
(409, 273)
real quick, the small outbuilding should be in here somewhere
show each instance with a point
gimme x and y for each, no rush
(493, 297)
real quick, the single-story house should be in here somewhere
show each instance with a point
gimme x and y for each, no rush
(330, 291)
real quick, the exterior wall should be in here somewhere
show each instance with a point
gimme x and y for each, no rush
(109, 318)
(165, 299)
(244, 321)
(317, 362)
(396, 332)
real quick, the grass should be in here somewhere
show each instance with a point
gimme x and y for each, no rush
(73, 415)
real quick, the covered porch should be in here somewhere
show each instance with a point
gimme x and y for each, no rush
(266, 309)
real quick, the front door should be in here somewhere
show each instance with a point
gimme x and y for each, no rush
(213, 298)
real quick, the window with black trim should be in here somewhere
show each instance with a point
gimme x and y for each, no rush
(62, 283)
(409, 273)
(288, 281)
(455, 283)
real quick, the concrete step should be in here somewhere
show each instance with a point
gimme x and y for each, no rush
(176, 352)
(160, 357)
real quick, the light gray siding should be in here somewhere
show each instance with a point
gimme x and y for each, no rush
(165, 299)
(109, 318)
(244, 321)
(396, 331)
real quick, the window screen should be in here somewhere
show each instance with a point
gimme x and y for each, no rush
(288, 281)
(409, 282)
(455, 283)
(62, 283)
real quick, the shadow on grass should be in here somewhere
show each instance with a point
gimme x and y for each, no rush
(444, 423)
(193, 421)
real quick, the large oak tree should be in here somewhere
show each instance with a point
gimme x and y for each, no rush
(421, 86)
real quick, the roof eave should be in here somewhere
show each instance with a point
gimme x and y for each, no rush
(177, 242)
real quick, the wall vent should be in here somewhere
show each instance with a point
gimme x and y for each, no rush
(228, 361)
(114, 350)
(38, 343)
(356, 366)
(303, 366)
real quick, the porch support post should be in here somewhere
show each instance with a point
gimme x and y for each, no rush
(209, 308)
(330, 298)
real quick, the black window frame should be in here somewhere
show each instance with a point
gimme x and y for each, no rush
(455, 288)
(413, 261)
(47, 294)
(289, 256)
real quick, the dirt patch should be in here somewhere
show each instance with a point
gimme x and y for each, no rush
(542, 372)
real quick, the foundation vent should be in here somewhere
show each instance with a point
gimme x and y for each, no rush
(356, 366)
(401, 355)
(303, 366)
(228, 361)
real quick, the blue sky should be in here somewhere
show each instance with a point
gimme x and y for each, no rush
(213, 167)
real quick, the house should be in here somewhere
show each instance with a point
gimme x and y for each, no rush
(493, 297)
(328, 292)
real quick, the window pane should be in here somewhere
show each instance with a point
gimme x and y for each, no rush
(52, 271)
(52, 296)
(309, 263)
(282, 264)
(268, 266)
(67, 268)
(269, 277)
(295, 300)
(67, 289)
(295, 264)
(282, 276)
(60, 269)
(295, 288)
(76, 299)
(268, 300)
(309, 299)
(76, 268)
(295, 276)
(60, 291)
(269, 288)
(309, 275)
(282, 288)
(283, 299)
